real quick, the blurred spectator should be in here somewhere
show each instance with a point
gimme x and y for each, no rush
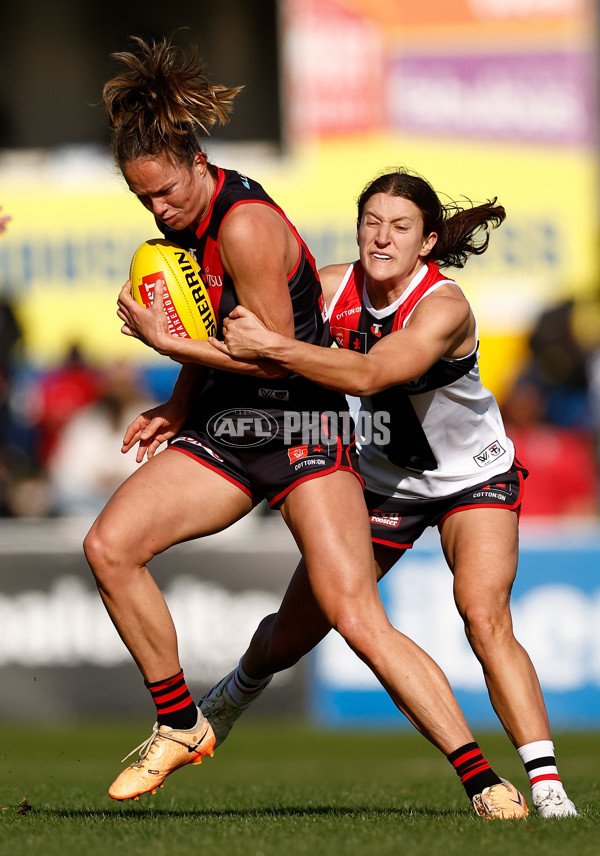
(4, 221)
(10, 337)
(57, 396)
(563, 476)
(86, 464)
(549, 417)
(559, 368)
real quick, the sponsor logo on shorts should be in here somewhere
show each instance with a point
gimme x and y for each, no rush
(301, 457)
(183, 438)
(489, 454)
(489, 494)
(297, 452)
(310, 462)
(242, 428)
(391, 520)
(276, 394)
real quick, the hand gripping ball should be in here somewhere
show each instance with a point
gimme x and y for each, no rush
(186, 301)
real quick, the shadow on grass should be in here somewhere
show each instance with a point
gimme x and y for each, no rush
(253, 813)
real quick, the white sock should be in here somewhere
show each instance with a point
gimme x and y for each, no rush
(242, 688)
(540, 763)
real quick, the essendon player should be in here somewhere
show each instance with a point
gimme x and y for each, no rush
(224, 420)
(408, 347)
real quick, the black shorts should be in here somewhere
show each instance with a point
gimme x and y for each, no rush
(399, 522)
(261, 454)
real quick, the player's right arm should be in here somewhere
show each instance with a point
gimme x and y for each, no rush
(149, 324)
(156, 426)
(442, 325)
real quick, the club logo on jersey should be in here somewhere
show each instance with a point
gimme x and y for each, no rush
(376, 330)
(489, 454)
(352, 340)
(391, 520)
(242, 427)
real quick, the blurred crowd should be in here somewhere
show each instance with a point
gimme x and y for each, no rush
(61, 432)
(552, 412)
(61, 428)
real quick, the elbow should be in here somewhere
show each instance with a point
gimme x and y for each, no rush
(364, 385)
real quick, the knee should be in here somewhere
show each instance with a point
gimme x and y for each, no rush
(102, 552)
(486, 628)
(358, 632)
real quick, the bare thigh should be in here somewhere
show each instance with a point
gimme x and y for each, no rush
(481, 547)
(169, 499)
(329, 521)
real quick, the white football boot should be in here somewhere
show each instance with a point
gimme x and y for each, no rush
(221, 710)
(551, 801)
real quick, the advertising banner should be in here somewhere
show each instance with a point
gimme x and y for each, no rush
(556, 612)
(63, 658)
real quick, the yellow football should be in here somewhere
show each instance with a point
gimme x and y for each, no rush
(186, 301)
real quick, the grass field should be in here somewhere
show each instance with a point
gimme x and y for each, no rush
(276, 788)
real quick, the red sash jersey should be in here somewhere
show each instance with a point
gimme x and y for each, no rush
(219, 388)
(446, 432)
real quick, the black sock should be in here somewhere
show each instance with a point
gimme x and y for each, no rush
(474, 770)
(174, 704)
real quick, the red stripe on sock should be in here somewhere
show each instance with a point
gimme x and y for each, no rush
(553, 776)
(247, 690)
(474, 753)
(479, 769)
(159, 699)
(164, 685)
(174, 707)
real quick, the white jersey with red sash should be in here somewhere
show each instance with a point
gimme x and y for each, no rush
(445, 428)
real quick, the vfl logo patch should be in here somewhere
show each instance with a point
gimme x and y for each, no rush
(489, 454)
(277, 394)
(392, 520)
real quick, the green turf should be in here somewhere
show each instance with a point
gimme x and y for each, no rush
(276, 788)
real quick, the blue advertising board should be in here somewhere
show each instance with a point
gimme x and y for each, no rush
(556, 614)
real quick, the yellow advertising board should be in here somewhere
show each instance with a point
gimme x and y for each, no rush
(67, 251)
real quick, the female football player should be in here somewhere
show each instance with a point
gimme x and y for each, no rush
(407, 346)
(250, 255)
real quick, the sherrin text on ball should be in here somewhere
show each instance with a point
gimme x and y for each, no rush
(186, 301)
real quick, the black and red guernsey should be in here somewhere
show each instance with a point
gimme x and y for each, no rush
(293, 392)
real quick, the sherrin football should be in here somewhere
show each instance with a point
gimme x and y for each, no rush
(186, 301)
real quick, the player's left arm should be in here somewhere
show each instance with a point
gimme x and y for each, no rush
(258, 251)
(441, 325)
